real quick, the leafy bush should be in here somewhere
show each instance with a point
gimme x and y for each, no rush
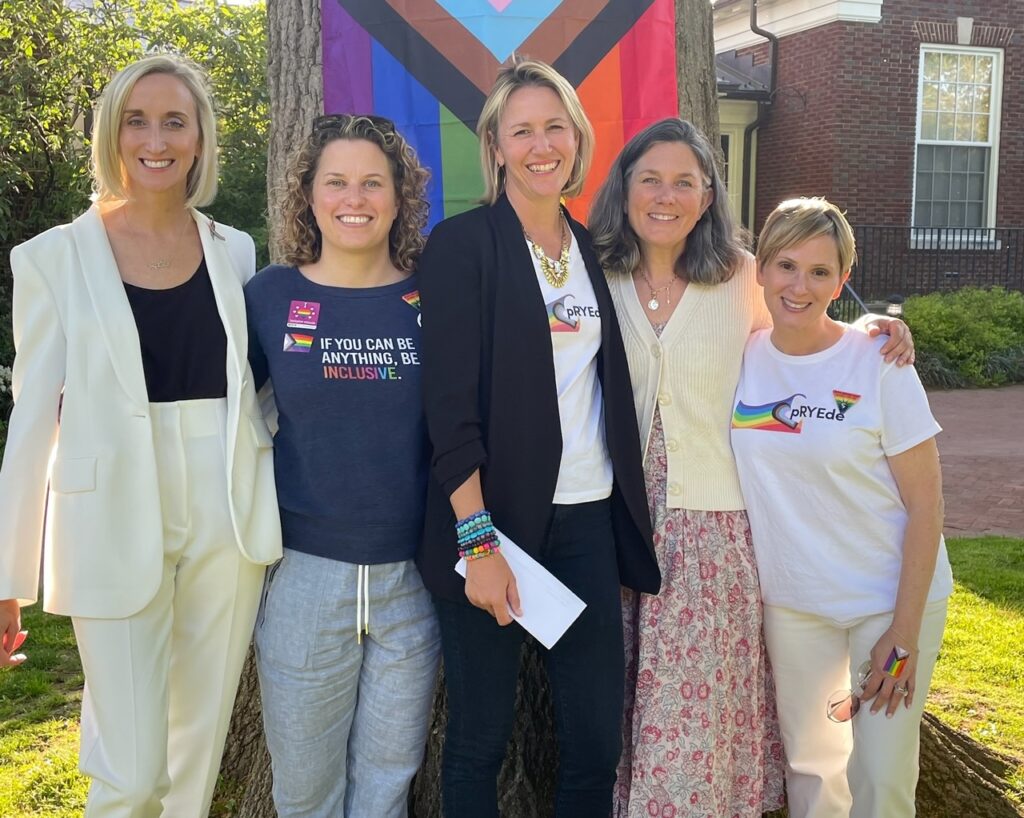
(971, 337)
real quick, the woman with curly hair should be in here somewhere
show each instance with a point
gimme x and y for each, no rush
(335, 327)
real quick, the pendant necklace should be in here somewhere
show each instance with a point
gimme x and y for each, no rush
(166, 261)
(556, 273)
(654, 303)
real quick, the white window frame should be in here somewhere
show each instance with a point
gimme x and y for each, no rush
(982, 238)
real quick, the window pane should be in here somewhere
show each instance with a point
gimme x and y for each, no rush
(982, 99)
(947, 127)
(922, 215)
(930, 96)
(924, 186)
(964, 98)
(929, 126)
(942, 157)
(974, 216)
(975, 187)
(947, 97)
(931, 65)
(949, 68)
(983, 70)
(940, 187)
(964, 128)
(957, 214)
(958, 187)
(960, 160)
(925, 157)
(980, 128)
(940, 215)
(966, 68)
(977, 159)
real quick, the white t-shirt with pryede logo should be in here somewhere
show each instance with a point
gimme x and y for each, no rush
(811, 434)
(585, 472)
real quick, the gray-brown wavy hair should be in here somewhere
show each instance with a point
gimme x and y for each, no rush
(297, 236)
(715, 245)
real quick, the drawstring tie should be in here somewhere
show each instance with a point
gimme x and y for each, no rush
(362, 602)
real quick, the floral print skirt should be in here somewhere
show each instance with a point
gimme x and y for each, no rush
(700, 733)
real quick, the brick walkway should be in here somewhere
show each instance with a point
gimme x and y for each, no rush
(982, 450)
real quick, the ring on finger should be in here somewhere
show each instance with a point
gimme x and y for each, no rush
(901, 689)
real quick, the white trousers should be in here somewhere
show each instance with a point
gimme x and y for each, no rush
(160, 685)
(867, 767)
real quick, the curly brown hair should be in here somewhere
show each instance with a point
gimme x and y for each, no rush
(296, 235)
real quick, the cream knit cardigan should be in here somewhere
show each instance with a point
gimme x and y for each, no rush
(691, 372)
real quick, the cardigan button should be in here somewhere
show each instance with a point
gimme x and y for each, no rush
(673, 488)
(664, 399)
(655, 350)
(672, 445)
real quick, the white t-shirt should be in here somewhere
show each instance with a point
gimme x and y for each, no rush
(811, 434)
(585, 472)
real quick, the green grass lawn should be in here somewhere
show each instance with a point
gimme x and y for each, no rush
(978, 686)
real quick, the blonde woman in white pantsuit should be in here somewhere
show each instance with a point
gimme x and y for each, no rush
(137, 458)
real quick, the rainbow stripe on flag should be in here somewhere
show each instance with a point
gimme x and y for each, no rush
(767, 417)
(428, 65)
(297, 342)
(412, 299)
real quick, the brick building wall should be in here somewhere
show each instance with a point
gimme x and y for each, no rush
(843, 122)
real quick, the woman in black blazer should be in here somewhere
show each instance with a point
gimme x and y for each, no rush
(532, 422)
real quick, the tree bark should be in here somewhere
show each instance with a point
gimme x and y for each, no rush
(695, 67)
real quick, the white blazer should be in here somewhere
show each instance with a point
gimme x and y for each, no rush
(80, 444)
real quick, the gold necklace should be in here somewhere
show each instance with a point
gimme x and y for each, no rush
(556, 273)
(166, 261)
(654, 303)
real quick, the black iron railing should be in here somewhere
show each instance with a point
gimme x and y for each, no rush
(917, 260)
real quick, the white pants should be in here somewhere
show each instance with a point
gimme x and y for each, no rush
(867, 767)
(160, 685)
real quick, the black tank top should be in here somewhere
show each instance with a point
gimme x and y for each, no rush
(184, 347)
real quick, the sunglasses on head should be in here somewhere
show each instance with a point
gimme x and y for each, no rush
(381, 123)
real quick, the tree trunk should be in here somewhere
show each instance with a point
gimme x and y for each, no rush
(959, 778)
(695, 67)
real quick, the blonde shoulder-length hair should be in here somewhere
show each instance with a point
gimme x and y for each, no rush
(523, 73)
(109, 183)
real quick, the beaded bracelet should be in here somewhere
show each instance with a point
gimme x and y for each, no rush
(476, 536)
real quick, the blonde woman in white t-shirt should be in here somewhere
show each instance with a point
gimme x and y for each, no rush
(700, 731)
(839, 468)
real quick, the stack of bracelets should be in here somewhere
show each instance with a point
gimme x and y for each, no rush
(477, 537)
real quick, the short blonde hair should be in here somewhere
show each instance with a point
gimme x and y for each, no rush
(109, 181)
(522, 73)
(795, 221)
(296, 234)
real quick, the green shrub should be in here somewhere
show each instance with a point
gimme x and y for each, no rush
(971, 337)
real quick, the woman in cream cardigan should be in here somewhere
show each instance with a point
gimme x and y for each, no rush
(159, 506)
(700, 733)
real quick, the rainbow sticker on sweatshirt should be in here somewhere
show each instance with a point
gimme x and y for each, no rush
(412, 299)
(767, 417)
(297, 342)
(303, 314)
(844, 400)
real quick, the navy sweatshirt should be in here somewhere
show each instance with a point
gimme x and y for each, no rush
(351, 452)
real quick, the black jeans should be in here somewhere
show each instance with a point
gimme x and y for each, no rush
(585, 668)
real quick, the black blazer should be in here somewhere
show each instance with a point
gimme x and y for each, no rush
(491, 399)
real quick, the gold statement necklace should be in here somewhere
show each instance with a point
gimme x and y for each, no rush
(556, 273)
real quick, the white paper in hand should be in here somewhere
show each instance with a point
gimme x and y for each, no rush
(549, 608)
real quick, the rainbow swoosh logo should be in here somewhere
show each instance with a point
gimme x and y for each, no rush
(767, 417)
(559, 319)
(297, 342)
(844, 400)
